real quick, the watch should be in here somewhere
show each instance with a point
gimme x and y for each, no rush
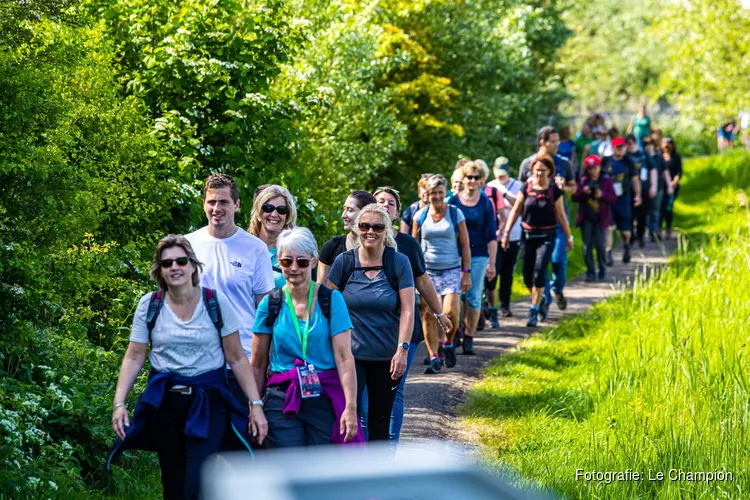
(405, 346)
(256, 403)
(465, 270)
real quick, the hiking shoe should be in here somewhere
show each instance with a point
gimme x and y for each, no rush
(531, 321)
(610, 260)
(543, 309)
(468, 347)
(434, 367)
(561, 301)
(426, 361)
(450, 357)
(493, 319)
(626, 255)
(505, 313)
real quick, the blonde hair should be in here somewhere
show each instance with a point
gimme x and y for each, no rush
(268, 194)
(374, 208)
(457, 175)
(483, 165)
(172, 241)
(472, 166)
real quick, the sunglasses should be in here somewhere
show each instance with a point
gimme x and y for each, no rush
(366, 226)
(302, 262)
(281, 209)
(181, 261)
(473, 177)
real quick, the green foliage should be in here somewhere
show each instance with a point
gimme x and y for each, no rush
(646, 380)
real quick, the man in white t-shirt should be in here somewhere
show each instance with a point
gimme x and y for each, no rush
(506, 259)
(235, 263)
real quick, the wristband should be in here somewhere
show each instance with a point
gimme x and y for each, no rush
(118, 405)
(571, 238)
(441, 315)
(256, 403)
(465, 270)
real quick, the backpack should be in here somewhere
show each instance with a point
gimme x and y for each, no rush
(209, 300)
(276, 300)
(453, 211)
(548, 194)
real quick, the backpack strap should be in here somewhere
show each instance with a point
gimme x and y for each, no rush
(274, 308)
(213, 309)
(275, 303)
(154, 308)
(324, 300)
(347, 267)
(453, 211)
(422, 218)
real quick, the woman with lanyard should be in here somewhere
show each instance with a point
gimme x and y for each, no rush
(303, 332)
(273, 211)
(540, 204)
(378, 287)
(187, 407)
(441, 230)
(481, 224)
(337, 245)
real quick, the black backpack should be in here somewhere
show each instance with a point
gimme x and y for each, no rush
(276, 300)
(209, 300)
(388, 267)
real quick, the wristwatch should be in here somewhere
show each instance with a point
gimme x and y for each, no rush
(256, 403)
(405, 346)
(571, 238)
(465, 270)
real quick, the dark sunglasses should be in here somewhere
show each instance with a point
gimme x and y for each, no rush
(281, 209)
(366, 226)
(181, 261)
(302, 262)
(473, 177)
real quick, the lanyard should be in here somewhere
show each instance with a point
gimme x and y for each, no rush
(303, 335)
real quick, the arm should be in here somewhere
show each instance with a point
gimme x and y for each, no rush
(430, 297)
(678, 172)
(259, 359)
(653, 180)
(463, 239)
(342, 353)
(491, 236)
(636, 182)
(259, 297)
(563, 220)
(131, 366)
(405, 328)
(323, 270)
(514, 214)
(235, 356)
(404, 227)
(630, 126)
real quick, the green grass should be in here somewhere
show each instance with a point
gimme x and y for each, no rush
(654, 379)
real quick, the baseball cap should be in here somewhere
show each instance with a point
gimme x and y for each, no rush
(591, 161)
(617, 142)
(501, 161)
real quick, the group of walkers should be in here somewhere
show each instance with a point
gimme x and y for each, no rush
(258, 339)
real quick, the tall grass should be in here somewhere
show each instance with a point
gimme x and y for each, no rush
(655, 379)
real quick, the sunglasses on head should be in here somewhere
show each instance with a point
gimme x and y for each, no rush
(366, 226)
(181, 261)
(473, 177)
(281, 209)
(302, 262)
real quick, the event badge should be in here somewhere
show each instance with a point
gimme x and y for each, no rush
(618, 188)
(644, 174)
(309, 382)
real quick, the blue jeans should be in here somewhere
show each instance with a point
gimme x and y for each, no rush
(559, 266)
(397, 414)
(474, 295)
(654, 216)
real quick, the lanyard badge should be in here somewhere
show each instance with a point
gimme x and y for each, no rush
(308, 378)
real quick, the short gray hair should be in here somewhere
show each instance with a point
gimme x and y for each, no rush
(297, 239)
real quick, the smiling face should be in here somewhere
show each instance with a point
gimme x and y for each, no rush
(274, 223)
(350, 213)
(473, 180)
(437, 196)
(371, 238)
(540, 172)
(219, 207)
(388, 202)
(295, 274)
(176, 275)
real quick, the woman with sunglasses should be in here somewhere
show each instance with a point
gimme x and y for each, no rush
(378, 287)
(337, 245)
(303, 335)
(540, 204)
(187, 388)
(481, 222)
(273, 211)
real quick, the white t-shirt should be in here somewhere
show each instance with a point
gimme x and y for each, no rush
(238, 267)
(513, 187)
(606, 149)
(186, 347)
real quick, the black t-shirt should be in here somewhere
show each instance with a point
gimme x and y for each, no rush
(620, 171)
(674, 165)
(538, 208)
(332, 249)
(408, 246)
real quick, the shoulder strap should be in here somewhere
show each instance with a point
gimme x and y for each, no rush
(324, 299)
(389, 267)
(453, 210)
(347, 267)
(212, 306)
(274, 308)
(154, 308)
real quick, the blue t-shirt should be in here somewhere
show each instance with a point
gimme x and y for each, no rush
(408, 215)
(278, 278)
(285, 343)
(565, 149)
(481, 223)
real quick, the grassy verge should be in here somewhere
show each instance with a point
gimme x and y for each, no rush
(655, 379)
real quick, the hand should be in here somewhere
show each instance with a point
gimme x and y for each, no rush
(597, 194)
(652, 193)
(465, 281)
(505, 242)
(560, 181)
(445, 323)
(587, 189)
(348, 426)
(637, 200)
(491, 271)
(120, 420)
(398, 364)
(569, 245)
(257, 425)
(670, 189)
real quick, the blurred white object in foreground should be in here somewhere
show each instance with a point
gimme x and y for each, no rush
(433, 471)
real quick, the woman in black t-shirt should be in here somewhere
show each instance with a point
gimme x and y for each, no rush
(673, 165)
(540, 204)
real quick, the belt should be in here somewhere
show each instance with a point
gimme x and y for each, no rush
(181, 389)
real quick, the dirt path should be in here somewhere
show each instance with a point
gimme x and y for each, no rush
(432, 400)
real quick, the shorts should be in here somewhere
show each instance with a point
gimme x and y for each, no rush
(622, 214)
(447, 281)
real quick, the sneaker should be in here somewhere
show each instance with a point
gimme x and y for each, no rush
(610, 260)
(481, 323)
(505, 313)
(590, 277)
(561, 301)
(426, 360)
(626, 255)
(543, 309)
(450, 357)
(468, 346)
(434, 367)
(531, 321)
(493, 319)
